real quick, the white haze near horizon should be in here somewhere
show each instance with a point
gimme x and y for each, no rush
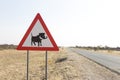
(71, 22)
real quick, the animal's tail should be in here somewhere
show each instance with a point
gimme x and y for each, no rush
(31, 35)
(31, 38)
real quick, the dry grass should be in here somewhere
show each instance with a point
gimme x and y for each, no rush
(13, 64)
(62, 65)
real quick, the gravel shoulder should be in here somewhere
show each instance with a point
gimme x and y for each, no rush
(78, 67)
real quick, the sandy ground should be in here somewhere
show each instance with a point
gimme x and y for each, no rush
(62, 65)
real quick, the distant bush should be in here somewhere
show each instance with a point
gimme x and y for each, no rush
(7, 46)
(99, 48)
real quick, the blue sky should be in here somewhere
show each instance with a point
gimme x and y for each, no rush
(71, 22)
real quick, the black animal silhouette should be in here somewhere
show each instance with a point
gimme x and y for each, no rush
(38, 39)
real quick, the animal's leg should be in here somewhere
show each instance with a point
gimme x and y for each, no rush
(38, 43)
(34, 43)
(41, 44)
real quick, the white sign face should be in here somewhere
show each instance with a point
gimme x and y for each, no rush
(37, 37)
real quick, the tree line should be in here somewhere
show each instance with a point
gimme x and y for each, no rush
(99, 48)
(7, 46)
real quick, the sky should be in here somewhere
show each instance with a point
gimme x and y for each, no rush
(71, 22)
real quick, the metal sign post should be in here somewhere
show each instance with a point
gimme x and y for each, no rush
(27, 64)
(46, 66)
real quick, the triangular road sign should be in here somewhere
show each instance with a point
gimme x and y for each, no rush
(38, 37)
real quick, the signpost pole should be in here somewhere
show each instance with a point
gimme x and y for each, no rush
(27, 64)
(46, 66)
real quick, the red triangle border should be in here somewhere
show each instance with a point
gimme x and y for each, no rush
(54, 48)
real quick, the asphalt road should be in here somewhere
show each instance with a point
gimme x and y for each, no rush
(109, 61)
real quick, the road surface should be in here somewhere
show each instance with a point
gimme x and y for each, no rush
(109, 61)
